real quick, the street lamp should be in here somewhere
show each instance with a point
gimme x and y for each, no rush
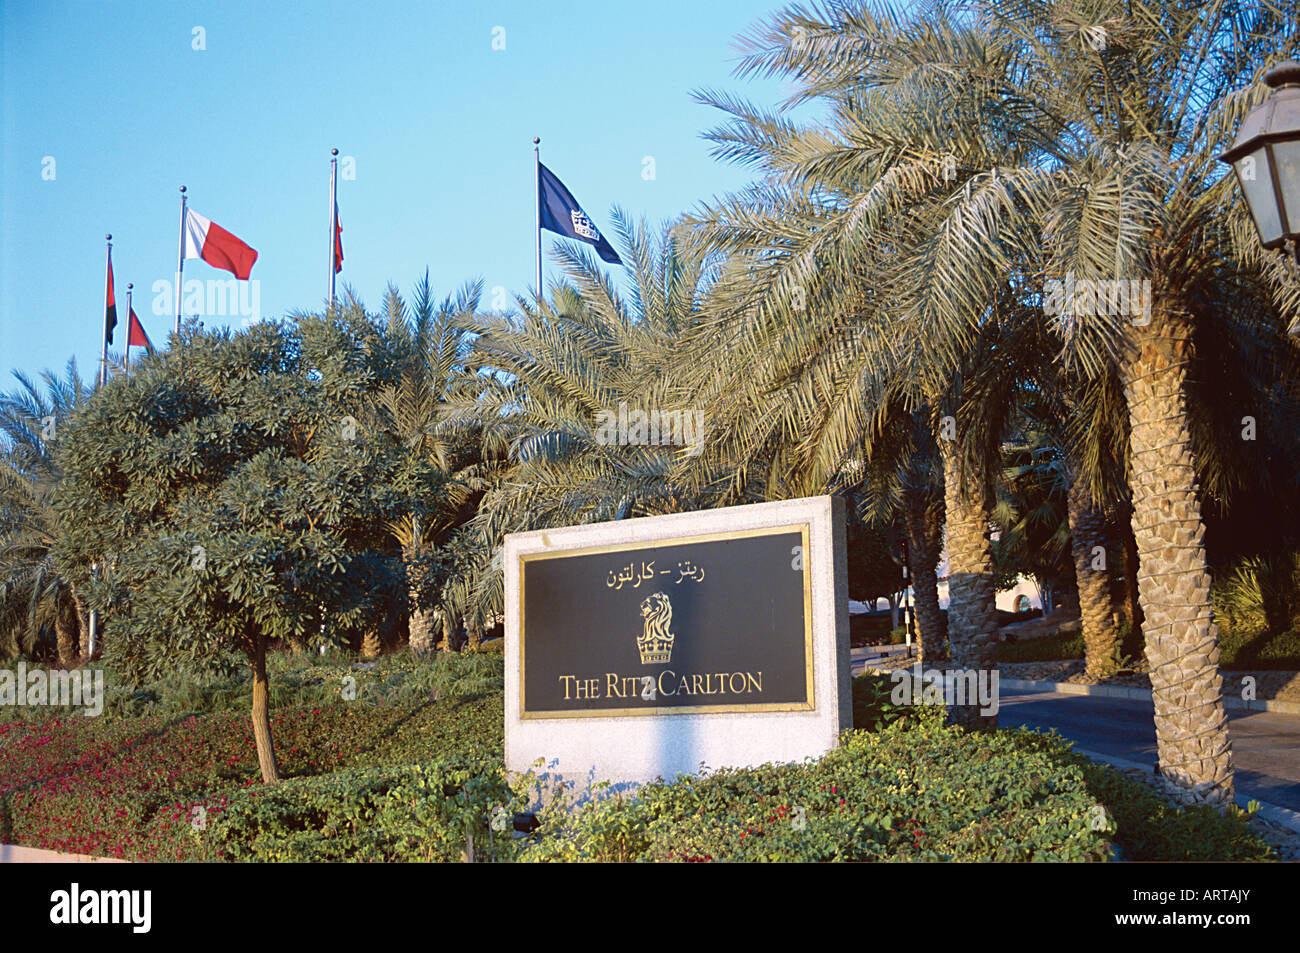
(1266, 158)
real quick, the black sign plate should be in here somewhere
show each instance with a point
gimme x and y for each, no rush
(712, 623)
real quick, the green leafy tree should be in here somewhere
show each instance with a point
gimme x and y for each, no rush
(233, 500)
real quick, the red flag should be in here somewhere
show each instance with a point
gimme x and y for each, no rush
(110, 304)
(135, 334)
(338, 241)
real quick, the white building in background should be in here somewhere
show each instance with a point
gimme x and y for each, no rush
(1022, 597)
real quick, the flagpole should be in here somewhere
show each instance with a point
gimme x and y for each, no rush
(126, 350)
(334, 224)
(103, 338)
(537, 194)
(103, 367)
(180, 262)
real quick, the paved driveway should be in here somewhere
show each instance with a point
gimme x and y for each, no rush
(1265, 745)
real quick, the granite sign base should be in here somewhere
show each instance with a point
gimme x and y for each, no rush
(650, 648)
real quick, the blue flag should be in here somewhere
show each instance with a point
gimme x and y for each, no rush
(561, 213)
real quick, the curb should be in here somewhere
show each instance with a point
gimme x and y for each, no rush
(1142, 694)
(1115, 691)
(14, 854)
(1283, 816)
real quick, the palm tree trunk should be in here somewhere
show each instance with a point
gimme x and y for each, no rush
(972, 613)
(474, 632)
(1088, 533)
(1126, 590)
(449, 632)
(422, 633)
(83, 626)
(66, 625)
(1182, 645)
(924, 527)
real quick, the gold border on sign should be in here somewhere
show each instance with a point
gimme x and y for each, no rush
(810, 686)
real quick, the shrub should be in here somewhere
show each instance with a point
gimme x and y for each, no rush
(1264, 650)
(421, 812)
(383, 779)
(915, 790)
(129, 787)
(873, 707)
(1050, 648)
(1260, 594)
(1149, 827)
(1257, 606)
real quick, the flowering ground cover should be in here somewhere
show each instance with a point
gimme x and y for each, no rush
(140, 788)
(410, 769)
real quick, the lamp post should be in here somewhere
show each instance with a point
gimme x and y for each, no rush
(1266, 158)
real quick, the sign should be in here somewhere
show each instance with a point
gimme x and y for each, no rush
(652, 647)
(719, 622)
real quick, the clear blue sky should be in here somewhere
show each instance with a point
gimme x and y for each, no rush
(438, 122)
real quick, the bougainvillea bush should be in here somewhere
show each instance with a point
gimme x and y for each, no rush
(141, 788)
(913, 791)
(916, 790)
(410, 769)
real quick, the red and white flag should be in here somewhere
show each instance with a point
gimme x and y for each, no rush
(207, 240)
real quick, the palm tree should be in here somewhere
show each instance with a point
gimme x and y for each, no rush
(833, 313)
(431, 342)
(1092, 446)
(902, 482)
(33, 595)
(548, 378)
(1014, 142)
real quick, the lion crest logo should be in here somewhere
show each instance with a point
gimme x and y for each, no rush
(656, 640)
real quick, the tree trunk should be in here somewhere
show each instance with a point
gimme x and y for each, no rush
(422, 636)
(1182, 645)
(893, 611)
(475, 635)
(66, 625)
(421, 622)
(449, 632)
(83, 627)
(1126, 592)
(923, 522)
(972, 611)
(262, 716)
(1093, 551)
